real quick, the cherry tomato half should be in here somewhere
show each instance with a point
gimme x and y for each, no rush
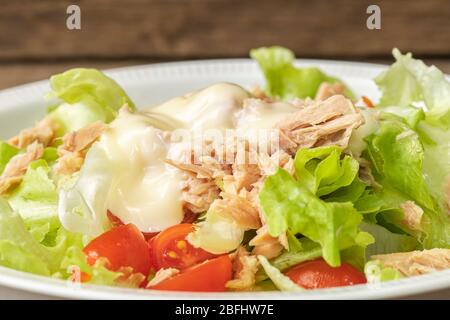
(170, 249)
(123, 246)
(318, 274)
(209, 276)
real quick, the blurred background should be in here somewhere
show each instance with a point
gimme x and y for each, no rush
(35, 42)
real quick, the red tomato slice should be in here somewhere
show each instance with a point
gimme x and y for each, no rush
(209, 276)
(123, 246)
(115, 220)
(318, 274)
(170, 249)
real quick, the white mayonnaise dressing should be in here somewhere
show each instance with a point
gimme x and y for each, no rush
(257, 114)
(126, 173)
(146, 191)
(211, 108)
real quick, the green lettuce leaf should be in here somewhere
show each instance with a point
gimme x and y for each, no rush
(409, 80)
(398, 158)
(88, 95)
(285, 80)
(36, 200)
(386, 241)
(309, 251)
(289, 206)
(412, 116)
(322, 170)
(282, 282)
(58, 257)
(397, 155)
(21, 246)
(293, 257)
(436, 161)
(19, 249)
(351, 193)
(74, 262)
(50, 155)
(421, 96)
(7, 151)
(375, 272)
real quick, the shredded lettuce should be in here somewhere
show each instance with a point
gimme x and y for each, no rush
(285, 80)
(88, 95)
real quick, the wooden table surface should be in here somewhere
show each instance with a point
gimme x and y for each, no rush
(35, 42)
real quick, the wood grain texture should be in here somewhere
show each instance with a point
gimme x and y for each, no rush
(35, 43)
(181, 29)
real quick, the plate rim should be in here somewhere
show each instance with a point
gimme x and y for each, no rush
(65, 289)
(36, 87)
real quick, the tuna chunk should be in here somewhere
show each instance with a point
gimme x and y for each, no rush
(17, 166)
(75, 145)
(44, 133)
(416, 262)
(161, 275)
(329, 122)
(238, 209)
(327, 90)
(266, 245)
(239, 167)
(245, 267)
(199, 187)
(198, 193)
(412, 215)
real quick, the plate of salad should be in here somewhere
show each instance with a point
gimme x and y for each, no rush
(267, 177)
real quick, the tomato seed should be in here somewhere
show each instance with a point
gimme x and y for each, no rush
(181, 244)
(172, 254)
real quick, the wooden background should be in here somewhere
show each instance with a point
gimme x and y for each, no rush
(35, 43)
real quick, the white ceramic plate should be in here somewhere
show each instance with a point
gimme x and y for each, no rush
(148, 85)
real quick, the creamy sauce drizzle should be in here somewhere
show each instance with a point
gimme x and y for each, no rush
(146, 190)
(142, 188)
